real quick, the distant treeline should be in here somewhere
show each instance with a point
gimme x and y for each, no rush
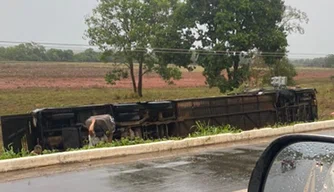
(35, 52)
(326, 62)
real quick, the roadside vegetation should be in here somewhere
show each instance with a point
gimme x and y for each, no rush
(21, 101)
(204, 129)
(199, 129)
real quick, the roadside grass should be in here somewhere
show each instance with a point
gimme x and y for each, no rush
(21, 101)
(10, 154)
(203, 129)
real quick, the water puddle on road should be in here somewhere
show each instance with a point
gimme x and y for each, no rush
(148, 167)
(172, 164)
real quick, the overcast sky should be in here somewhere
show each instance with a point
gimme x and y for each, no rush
(62, 21)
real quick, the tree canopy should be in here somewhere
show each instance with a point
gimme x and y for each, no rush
(237, 29)
(226, 34)
(36, 52)
(136, 30)
(327, 62)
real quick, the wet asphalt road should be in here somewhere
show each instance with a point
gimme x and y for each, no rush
(214, 169)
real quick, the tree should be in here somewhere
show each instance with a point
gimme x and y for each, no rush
(329, 61)
(234, 27)
(68, 55)
(2, 53)
(135, 30)
(232, 30)
(282, 67)
(316, 62)
(54, 54)
(26, 52)
(292, 20)
(89, 55)
(59, 55)
(35, 52)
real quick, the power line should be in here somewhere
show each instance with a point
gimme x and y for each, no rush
(47, 43)
(208, 53)
(231, 51)
(173, 50)
(155, 48)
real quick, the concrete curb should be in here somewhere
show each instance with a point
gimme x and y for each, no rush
(94, 154)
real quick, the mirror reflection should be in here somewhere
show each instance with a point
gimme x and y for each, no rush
(305, 166)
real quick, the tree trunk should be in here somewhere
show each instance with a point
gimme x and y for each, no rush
(140, 79)
(229, 74)
(236, 77)
(132, 73)
(235, 68)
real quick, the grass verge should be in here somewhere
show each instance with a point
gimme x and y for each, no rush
(203, 129)
(20, 101)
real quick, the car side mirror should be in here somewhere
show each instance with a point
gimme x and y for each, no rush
(295, 163)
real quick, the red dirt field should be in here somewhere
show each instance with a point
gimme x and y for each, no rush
(314, 74)
(78, 75)
(195, 79)
(69, 75)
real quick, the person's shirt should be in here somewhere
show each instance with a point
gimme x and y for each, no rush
(103, 125)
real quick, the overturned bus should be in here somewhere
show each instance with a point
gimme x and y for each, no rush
(63, 128)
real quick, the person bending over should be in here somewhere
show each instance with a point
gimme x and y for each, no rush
(100, 129)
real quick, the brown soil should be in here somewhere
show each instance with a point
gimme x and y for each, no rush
(189, 80)
(69, 75)
(314, 74)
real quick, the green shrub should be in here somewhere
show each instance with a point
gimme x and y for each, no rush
(203, 129)
(10, 154)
